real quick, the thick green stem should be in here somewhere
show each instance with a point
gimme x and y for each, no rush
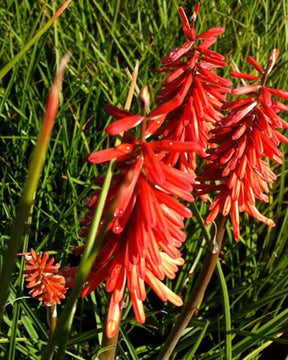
(111, 345)
(197, 292)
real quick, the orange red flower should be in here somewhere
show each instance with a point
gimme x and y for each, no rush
(144, 235)
(243, 138)
(43, 279)
(193, 93)
(145, 217)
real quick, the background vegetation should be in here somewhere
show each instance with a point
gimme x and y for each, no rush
(105, 37)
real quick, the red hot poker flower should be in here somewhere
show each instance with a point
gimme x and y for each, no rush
(193, 93)
(43, 279)
(244, 137)
(143, 237)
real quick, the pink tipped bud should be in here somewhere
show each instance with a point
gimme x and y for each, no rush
(245, 89)
(62, 8)
(196, 11)
(53, 99)
(255, 64)
(184, 17)
(197, 8)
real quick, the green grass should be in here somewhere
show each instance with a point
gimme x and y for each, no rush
(104, 38)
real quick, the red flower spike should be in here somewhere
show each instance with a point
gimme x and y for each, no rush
(43, 279)
(192, 92)
(240, 141)
(143, 237)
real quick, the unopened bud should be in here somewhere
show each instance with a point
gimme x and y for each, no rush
(195, 13)
(272, 60)
(144, 98)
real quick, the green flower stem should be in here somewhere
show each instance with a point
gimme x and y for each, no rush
(226, 303)
(109, 346)
(22, 52)
(197, 292)
(30, 186)
(92, 247)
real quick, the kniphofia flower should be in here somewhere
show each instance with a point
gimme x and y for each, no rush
(248, 134)
(43, 279)
(193, 93)
(144, 235)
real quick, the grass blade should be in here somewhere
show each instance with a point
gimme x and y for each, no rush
(22, 52)
(227, 315)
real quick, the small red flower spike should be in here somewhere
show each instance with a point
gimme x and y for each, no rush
(243, 138)
(43, 279)
(193, 93)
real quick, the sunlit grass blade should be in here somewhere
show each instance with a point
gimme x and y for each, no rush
(191, 353)
(22, 52)
(227, 315)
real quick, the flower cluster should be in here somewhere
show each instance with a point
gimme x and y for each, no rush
(43, 279)
(156, 170)
(248, 133)
(143, 238)
(193, 93)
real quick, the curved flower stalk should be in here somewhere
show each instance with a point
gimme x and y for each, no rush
(193, 93)
(43, 279)
(247, 135)
(143, 237)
